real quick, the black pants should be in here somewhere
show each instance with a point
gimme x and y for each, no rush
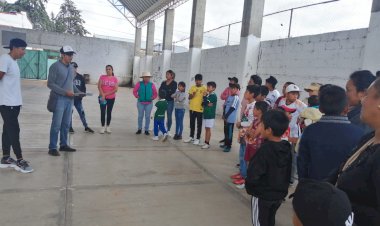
(264, 212)
(228, 133)
(11, 130)
(103, 109)
(199, 117)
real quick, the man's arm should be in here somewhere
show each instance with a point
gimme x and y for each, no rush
(303, 159)
(54, 86)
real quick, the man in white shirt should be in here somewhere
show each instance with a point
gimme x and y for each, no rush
(10, 105)
(273, 94)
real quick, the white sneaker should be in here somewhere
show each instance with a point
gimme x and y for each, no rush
(196, 142)
(155, 138)
(102, 130)
(206, 146)
(108, 129)
(165, 137)
(188, 140)
(240, 186)
(170, 134)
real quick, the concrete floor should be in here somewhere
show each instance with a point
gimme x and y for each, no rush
(119, 178)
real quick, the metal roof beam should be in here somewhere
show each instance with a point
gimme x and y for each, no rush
(121, 7)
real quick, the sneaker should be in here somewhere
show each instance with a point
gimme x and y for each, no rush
(239, 181)
(236, 176)
(88, 130)
(165, 137)
(155, 138)
(188, 140)
(53, 152)
(71, 130)
(175, 137)
(227, 149)
(241, 186)
(196, 142)
(108, 129)
(138, 132)
(147, 133)
(102, 130)
(222, 146)
(206, 146)
(23, 166)
(179, 137)
(7, 162)
(222, 141)
(67, 149)
(170, 134)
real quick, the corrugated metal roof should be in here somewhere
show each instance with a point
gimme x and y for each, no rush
(138, 7)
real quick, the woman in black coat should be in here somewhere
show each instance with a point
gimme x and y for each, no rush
(359, 176)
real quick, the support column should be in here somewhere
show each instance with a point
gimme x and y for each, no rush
(249, 41)
(168, 42)
(136, 59)
(148, 60)
(196, 39)
(372, 47)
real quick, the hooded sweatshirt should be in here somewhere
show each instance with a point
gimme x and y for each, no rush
(269, 171)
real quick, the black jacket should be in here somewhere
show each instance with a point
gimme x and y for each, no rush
(80, 83)
(269, 171)
(361, 182)
(169, 89)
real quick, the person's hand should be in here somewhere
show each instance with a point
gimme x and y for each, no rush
(210, 104)
(238, 124)
(293, 140)
(69, 93)
(103, 98)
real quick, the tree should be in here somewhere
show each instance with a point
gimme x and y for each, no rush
(69, 20)
(36, 12)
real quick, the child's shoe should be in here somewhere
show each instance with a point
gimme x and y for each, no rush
(196, 142)
(241, 186)
(227, 149)
(188, 140)
(206, 146)
(239, 181)
(102, 130)
(165, 137)
(108, 129)
(155, 138)
(236, 176)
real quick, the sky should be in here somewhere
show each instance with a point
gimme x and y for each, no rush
(103, 19)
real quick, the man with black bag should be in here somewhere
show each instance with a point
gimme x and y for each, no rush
(60, 81)
(10, 106)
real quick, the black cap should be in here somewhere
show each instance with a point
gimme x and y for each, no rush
(16, 43)
(320, 203)
(74, 64)
(236, 80)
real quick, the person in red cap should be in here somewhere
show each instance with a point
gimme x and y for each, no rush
(10, 106)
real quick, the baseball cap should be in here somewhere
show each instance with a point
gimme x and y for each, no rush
(15, 43)
(292, 88)
(313, 87)
(74, 64)
(68, 50)
(319, 203)
(236, 80)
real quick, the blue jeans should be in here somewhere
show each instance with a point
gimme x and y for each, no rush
(144, 109)
(159, 125)
(60, 122)
(243, 164)
(179, 115)
(78, 105)
(169, 113)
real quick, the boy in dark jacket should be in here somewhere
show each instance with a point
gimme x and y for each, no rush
(80, 83)
(269, 170)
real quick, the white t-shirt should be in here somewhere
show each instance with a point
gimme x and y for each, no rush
(248, 112)
(272, 97)
(299, 106)
(10, 86)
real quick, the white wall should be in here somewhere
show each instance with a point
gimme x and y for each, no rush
(93, 54)
(179, 65)
(324, 58)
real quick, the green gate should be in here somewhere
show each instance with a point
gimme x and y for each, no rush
(34, 64)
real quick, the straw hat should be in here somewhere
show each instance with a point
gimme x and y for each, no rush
(145, 74)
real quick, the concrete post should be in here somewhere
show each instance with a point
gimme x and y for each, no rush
(372, 48)
(148, 59)
(136, 59)
(249, 42)
(167, 42)
(196, 39)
